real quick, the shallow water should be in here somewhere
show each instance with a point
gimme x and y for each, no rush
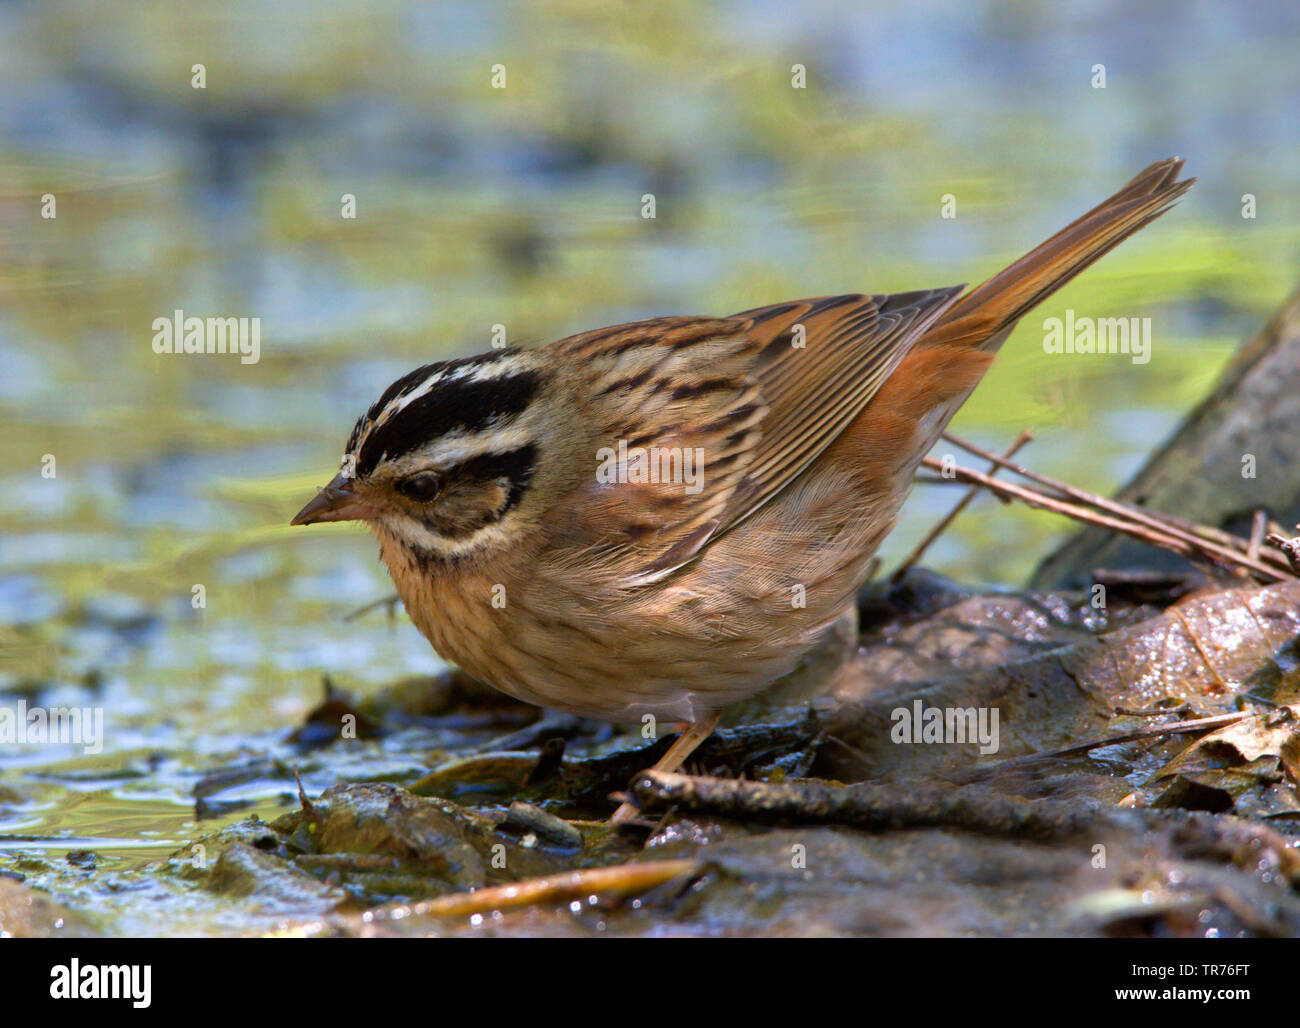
(519, 207)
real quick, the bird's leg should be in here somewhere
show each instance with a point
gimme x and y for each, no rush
(677, 755)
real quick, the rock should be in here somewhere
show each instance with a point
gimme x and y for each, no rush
(26, 913)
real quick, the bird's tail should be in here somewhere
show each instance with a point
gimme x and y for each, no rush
(984, 317)
(933, 380)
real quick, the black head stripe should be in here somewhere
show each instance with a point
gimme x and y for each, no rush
(414, 379)
(408, 382)
(516, 466)
(463, 404)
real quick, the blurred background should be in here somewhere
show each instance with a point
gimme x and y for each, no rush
(522, 206)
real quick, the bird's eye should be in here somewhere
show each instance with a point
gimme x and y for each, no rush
(420, 487)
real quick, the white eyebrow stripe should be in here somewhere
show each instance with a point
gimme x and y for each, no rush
(462, 446)
(485, 369)
(450, 451)
(402, 402)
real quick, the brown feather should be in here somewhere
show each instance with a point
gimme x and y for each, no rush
(997, 304)
(852, 345)
(681, 385)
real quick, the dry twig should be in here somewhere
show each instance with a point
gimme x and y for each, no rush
(1195, 542)
(1290, 548)
(1025, 436)
(620, 880)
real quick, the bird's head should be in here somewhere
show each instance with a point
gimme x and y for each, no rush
(446, 462)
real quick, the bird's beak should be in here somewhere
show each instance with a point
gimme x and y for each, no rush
(336, 502)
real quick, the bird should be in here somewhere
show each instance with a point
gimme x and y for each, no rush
(650, 522)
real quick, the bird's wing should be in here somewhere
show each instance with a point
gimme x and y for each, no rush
(820, 363)
(743, 404)
(675, 413)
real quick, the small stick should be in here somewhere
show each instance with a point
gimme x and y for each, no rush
(390, 602)
(623, 879)
(1200, 724)
(1205, 657)
(1042, 501)
(1156, 519)
(1186, 708)
(1111, 506)
(1289, 547)
(1208, 532)
(1257, 529)
(1157, 535)
(1025, 436)
(881, 807)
